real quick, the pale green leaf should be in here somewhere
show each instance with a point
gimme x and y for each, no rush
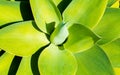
(85, 12)
(45, 12)
(80, 38)
(93, 62)
(5, 62)
(109, 26)
(55, 61)
(22, 38)
(59, 35)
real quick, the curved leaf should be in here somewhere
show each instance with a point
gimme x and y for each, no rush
(5, 62)
(25, 67)
(93, 62)
(22, 38)
(59, 35)
(109, 27)
(85, 12)
(45, 12)
(10, 12)
(54, 61)
(13, 12)
(80, 38)
(112, 49)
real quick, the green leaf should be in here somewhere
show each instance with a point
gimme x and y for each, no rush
(55, 61)
(111, 2)
(112, 49)
(9, 12)
(109, 26)
(14, 11)
(93, 62)
(80, 38)
(45, 12)
(5, 62)
(25, 66)
(85, 12)
(57, 2)
(22, 38)
(59, 35)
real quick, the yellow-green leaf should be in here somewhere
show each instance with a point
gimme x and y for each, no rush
(22, 38)
(55, 61)
(85, 12)
(93, 62)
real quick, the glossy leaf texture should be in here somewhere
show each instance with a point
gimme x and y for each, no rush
(46, 14)
(5, 62)
(85, 12)
(80, 38)
(93, 62)
(22, 38)
(109, 26)
(56, 61)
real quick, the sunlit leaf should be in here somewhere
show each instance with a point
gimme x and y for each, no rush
(80, 38)
(55, 61)
(112, 49)
(60, 34)
(117, 71)
(5, 62)
(85, 12)
(14, 11)
(25, 67)
(22, 38)
(93, 62)
(115, 5)
(45, 12)
(111, 2)
(109, 27)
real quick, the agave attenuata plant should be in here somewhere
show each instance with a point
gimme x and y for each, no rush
(59, 37)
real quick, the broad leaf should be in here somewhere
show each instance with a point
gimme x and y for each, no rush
(55, 61)
(117, 71)
(5, 62)
(112, 49)
(45, 12)
(22, 38)
(80, 38)
(93, 62)
(85, 12)
(109, 27)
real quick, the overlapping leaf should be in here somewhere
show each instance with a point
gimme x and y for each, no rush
(56, 61)
(45, 12)
(93, 62)
(22, 38)
(109, 27)
(80, 38)
(85, 12)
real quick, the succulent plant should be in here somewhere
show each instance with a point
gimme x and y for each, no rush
(59, 37)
